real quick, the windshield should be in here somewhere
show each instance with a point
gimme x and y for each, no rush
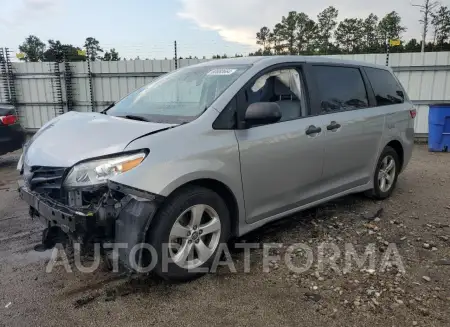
(180, 96)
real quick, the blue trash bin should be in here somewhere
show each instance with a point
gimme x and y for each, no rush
(439, 127)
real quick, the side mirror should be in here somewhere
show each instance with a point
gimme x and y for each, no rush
(262, 113)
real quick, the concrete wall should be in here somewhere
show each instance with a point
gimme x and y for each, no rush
(426, 78)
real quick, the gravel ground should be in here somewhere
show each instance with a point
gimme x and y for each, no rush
(415, 219)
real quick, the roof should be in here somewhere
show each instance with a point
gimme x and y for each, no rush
(272, 60)
(233, 61)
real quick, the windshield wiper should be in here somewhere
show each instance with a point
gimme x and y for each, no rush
(135, 117)
(107, 108)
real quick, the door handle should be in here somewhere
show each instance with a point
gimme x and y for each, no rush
(333, 126)
(313, 130)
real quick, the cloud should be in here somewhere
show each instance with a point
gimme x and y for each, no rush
(239, 20)
(18, 11)
(39, 5)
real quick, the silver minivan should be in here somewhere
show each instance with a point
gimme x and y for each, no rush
(213, 151)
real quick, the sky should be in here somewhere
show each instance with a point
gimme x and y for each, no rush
(148, 28)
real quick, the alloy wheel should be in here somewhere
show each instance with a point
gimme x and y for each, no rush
(194, 236)
(386, 173)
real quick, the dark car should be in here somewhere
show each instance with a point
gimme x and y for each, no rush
(12, 136)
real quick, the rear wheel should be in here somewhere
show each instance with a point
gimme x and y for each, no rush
(386, 174)
(188, 230)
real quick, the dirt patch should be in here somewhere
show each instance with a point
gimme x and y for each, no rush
(415, 219)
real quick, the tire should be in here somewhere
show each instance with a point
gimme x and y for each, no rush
(181, 208)
(379, 192)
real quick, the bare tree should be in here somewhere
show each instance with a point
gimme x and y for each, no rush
(427, 10)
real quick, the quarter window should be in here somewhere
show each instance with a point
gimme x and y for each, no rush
(340, 88)
(386, 88)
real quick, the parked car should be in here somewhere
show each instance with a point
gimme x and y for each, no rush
(12, 135)
(216, 150)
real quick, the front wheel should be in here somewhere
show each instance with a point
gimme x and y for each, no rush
(386, 174)
(187, 231)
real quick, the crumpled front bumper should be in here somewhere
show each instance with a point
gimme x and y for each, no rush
(52, 213)
(130, 221)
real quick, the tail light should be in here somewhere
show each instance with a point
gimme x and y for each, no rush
(8, 120)
(413, 113)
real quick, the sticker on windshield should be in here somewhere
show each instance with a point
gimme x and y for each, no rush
(222, 71)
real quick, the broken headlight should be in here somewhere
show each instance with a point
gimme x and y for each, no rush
(98, 172)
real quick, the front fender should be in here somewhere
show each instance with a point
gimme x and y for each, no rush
(185, 154)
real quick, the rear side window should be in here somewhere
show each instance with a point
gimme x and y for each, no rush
(341, 88)
(386, 88)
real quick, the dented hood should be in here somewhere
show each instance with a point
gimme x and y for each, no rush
(76, 136)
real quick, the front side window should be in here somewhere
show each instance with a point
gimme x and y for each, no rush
(282, 86)
(180, 96)
(386, 88)
(340, 88)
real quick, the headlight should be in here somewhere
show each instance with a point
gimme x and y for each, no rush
(99, 171)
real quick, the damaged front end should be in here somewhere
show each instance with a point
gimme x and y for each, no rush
(107, 213)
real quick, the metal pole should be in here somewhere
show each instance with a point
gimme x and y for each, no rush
(11, 83)
(387, 52)
(4, 74)
(68, 82)
(91, 93)
(176, 56)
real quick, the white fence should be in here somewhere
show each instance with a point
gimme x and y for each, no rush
(41, 88)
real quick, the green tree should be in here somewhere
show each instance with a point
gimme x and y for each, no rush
(262, 38)
(306, 34)
(276, 40)
(58, 52)
(390, 26)
(93, 48)
(441, 24)
(111, 55)
(371, 37)
(33, 49)
(349, 35)
(287, 30)
(412, 46)
(55, 51)
(114, 55)
(297, 33)
(327, 21)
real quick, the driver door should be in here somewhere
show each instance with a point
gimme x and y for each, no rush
(281, 163)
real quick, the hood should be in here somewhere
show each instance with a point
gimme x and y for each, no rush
(76, 136)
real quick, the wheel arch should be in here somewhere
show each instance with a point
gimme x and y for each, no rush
(398, 147)
(223, 190)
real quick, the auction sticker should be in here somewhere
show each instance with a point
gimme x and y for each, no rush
(221, 71)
